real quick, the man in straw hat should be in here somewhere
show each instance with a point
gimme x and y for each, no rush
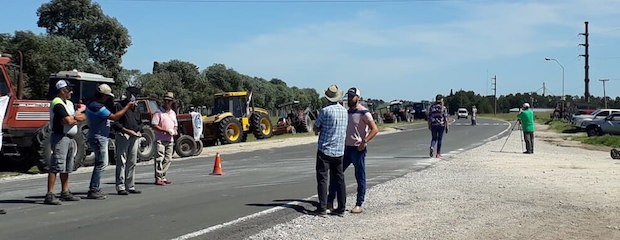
(165, 124)
(98, 131)
(331, 125)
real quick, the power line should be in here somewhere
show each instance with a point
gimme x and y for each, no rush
(283, 1)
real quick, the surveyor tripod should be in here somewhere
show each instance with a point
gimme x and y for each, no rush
(509, 133)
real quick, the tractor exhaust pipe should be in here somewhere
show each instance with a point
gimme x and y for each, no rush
(20, 78)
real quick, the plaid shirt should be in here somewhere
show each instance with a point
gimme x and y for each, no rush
(332, 121)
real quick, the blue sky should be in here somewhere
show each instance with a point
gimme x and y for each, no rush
(390, 50)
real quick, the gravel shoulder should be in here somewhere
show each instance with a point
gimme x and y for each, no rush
(563, 191)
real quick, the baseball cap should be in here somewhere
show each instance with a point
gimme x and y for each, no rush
(105, 89)
(354, 92)
(63, 84)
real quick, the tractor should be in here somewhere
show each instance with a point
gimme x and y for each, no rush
(397, 113)
(293, 119)
(184, 143)
(234, 118)
(25, 128)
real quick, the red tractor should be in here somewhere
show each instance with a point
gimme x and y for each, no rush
(25, 125)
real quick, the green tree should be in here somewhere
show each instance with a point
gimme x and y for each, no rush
(103, 36)
(223, 78)
(45, 54)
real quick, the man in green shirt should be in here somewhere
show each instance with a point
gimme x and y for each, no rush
(526, 117)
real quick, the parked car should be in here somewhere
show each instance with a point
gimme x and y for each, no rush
(607, 125)
(582, 121)
(462, 113)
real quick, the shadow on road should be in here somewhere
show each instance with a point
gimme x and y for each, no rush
(506, 152)
(21, 201)
(285, 204)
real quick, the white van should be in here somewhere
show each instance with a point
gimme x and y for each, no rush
(462, 113)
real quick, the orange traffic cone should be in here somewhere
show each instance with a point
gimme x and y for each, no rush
(217, 167)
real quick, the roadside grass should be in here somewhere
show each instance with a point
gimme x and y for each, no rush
(607, 140)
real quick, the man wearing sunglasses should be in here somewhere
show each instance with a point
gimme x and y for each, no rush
(63, 123)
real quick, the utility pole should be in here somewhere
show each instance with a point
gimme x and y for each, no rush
(604, 93)
(494, 94)
(586, 94)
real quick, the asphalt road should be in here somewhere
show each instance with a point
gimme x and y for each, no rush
(232, 206)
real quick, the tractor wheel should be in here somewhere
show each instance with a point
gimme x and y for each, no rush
(80, 146)
(89, 154)
(147, 148)
(199, 148)
(261, 126)
(309, 123)
(304, 125)
(230, 130)
(42, 148)
(185, 146)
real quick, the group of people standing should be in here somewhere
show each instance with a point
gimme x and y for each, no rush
(126, 119)
(343, 139)
(344, 136)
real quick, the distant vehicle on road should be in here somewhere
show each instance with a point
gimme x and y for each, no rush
(462, 113)
(420, 109)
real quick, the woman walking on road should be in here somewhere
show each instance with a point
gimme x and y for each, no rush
(437, 123)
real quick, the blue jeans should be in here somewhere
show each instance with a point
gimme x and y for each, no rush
(99, 144)
(437, 136)
(358, 159)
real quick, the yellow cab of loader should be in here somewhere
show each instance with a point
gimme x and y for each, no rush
(234, 117)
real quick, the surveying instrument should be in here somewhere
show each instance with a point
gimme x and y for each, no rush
(515, 124)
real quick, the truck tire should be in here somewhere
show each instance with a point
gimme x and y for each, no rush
(261, 126)
(229, 130)
(185, 146)
(199, 148)
(593, 131)
(147, 148)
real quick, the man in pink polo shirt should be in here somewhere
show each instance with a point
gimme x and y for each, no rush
(165, 124)
(361, 128)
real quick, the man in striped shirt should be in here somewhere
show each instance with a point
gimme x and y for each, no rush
(331, 125)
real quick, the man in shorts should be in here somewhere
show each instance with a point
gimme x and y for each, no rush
(63, 123)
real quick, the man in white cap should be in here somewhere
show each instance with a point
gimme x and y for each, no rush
(63, 123)
(331, 124)
(526, 117)
(98, 132)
